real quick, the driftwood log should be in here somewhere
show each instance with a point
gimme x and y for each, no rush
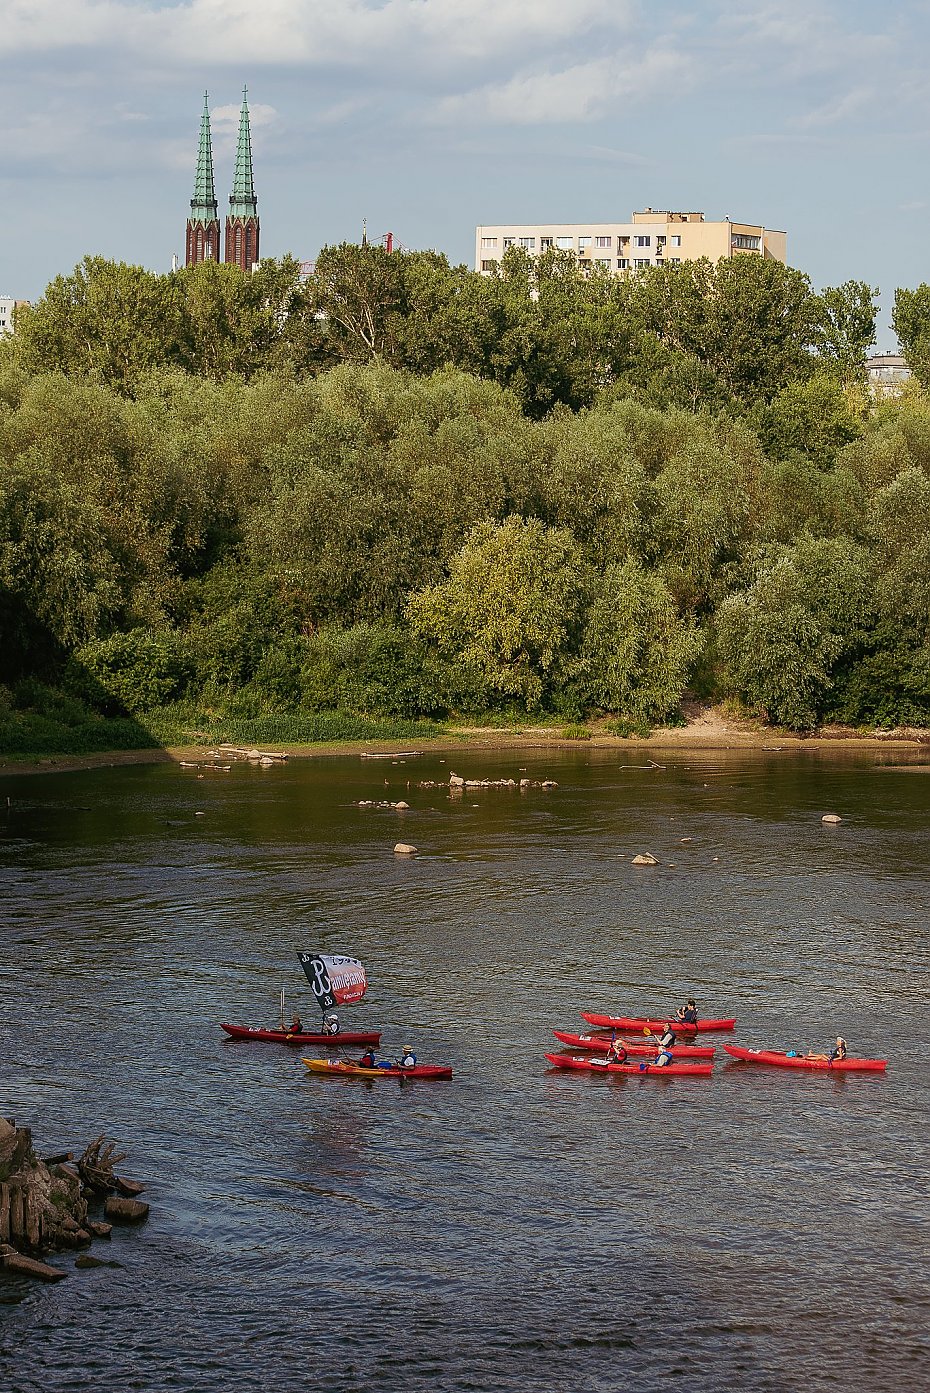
(44, 1203)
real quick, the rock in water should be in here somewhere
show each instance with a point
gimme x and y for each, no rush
(125, 1211)
(645, 858)
(405, 849)
(831, 817)
(28, 1267)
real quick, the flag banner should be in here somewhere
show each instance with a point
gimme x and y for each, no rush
(335, 980)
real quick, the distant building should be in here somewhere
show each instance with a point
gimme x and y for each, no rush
(203, 225)
(651, 239)
(241, 243)
(8, 308)
(887, 374)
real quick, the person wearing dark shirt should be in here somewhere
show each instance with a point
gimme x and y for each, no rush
(296, 1026)
(666, 1045)
(617, 1053)
(687, 1015)
(838, 1053)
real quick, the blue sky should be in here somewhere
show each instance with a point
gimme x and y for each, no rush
(429, 116)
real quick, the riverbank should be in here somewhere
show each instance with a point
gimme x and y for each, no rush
(706, 728)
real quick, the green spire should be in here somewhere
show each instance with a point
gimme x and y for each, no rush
(203, 204)
(242, 200)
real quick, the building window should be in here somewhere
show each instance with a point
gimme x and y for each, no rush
(488, 243)
(528, 243)
(603, 260)
(602, 241)
(584, 243)
(676, 260)
(641, 261)
(676, 240)
(623, 263)
(644, 241)
(565, 244)
(545, 244)
(508, 242)
(744, 243)
(488, 265)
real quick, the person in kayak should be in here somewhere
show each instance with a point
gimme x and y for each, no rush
(839, 1052)
(331, 1024)
(617, 1053)
(368, 1060)
(666, 1045)
(408, 1059)
(687, 1014)
(296, 1026)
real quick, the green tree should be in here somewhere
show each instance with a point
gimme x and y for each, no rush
(508, 607)
(107, 318)
(810, 609)
(844, 328)
(910, 320)
(636, 651)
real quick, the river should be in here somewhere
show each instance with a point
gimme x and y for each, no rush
(516, 1228)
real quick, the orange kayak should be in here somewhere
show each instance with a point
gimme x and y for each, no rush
(345, 1069)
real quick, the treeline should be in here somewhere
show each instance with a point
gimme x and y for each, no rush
(206, 526)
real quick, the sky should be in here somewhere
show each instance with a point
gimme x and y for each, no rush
(429, 116)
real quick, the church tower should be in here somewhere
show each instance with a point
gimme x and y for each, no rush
(242, 220)
(203, 225)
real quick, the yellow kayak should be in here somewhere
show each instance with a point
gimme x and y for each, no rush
(345, 1068)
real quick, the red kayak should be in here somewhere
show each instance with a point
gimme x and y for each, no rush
(600, 1066)
(331, 1067)
(602, 1044)
(284, 1037)
(798, 1061)
(657, 1025)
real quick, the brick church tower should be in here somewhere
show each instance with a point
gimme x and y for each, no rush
(203, 225)
(242, 220)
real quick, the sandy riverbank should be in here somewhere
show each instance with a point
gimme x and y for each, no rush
(707, 728)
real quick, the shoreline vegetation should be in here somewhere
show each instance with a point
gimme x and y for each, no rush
(396, 499)
(706, 728)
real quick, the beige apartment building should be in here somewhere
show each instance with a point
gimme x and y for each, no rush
(651, 239)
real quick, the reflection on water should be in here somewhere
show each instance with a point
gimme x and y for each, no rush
(515, 1229)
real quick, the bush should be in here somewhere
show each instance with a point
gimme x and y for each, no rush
(134, 671)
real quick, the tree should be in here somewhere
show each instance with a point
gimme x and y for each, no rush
(636, 651)
(910, 320)
(508, 607)
(359, 292)
(782, 641)
(107, 318)
(844, 328)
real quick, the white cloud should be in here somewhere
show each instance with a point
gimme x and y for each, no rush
(299, 32)
(580, 93)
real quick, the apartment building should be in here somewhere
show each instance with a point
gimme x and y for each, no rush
(651, 239)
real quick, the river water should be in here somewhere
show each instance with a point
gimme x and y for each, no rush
(516, 1228)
